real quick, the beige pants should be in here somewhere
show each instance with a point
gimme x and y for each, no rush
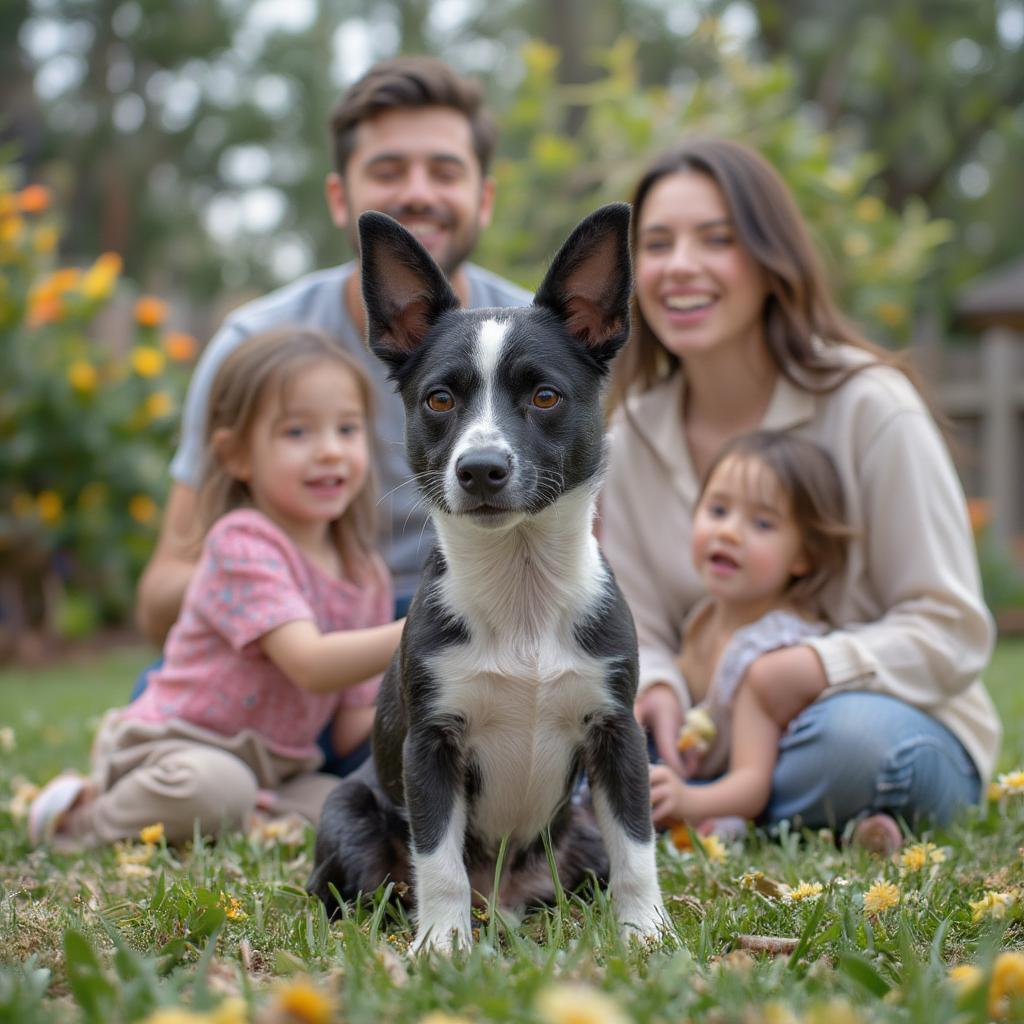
(180, 774)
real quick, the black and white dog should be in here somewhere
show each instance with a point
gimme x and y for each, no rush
(517, 666)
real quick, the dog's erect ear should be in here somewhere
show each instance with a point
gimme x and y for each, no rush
(589, 281)
(404, 290)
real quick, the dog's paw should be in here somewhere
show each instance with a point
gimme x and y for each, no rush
(442, 939)
(645, 922)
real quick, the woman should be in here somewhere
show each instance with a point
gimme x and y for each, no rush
(734, 330)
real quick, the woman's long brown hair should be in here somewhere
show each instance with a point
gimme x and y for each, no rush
(801, 319)
(270, 360)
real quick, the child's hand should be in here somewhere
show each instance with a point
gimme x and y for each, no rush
(668, 795)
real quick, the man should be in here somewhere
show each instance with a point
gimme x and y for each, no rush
(412, 139)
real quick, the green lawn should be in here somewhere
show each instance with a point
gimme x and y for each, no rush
(114, 935)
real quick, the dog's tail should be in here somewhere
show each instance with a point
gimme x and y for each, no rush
(360, 844)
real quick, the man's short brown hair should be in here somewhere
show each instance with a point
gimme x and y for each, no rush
(410, 82)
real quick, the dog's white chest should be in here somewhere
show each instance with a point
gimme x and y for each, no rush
(525, 713)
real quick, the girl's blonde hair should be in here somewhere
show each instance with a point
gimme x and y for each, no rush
(809, 479)
(260, 362)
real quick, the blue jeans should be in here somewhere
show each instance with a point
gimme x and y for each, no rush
(858, 753)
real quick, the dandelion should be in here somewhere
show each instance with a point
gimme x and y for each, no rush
(300, 1001)
(1012, 782)
(1007, 985)
(994, 792)
(147, 361)
(99, 280)
(439, 1017)
(50, 506)
(82, 376)
(992, 904)
(150, 311)
(920, 855)
(713, 847)
(142, 508)
(964, 978)
(125, 854)
(680, 836)
(34, 199)
(805, 891)
(578, 1004)
(881, 896)
(179, 346)
(152, 834)
(232, 907)
(8, 741)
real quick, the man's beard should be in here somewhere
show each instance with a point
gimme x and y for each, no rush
(458, 247)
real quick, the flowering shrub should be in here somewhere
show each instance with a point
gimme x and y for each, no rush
(85, 426)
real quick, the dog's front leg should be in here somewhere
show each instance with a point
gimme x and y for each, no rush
(436, 801)
(616, 761)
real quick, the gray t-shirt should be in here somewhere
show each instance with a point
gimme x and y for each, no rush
(317, 300)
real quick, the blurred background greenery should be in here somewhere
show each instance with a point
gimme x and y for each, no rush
(187, 141)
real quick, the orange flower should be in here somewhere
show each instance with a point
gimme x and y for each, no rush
(980, 512)
(142, 508)
(34, 199)
(181, 347)
(150, 311)
(680, 836)
(44, 309)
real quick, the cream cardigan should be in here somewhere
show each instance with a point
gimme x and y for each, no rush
(913, 624)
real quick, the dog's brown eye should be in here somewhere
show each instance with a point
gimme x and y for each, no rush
(440, 401)
(546, 398)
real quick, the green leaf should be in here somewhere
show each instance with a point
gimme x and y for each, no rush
(863, 972)
(93, 991)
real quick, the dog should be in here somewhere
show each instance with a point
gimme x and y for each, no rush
(518, 662)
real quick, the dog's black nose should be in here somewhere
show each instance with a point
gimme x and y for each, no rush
(483, 471)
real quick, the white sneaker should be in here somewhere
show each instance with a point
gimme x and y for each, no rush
(50, 807)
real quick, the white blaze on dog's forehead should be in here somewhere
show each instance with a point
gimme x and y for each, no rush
(488, 348)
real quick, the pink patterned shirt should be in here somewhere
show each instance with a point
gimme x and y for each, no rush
(251, 578)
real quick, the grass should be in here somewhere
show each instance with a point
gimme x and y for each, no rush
(228, 931)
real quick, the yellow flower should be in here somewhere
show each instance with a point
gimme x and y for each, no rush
(45, 239)
(50, 506)
(714, 849)
(301, 1002)
(440, 1017)
(805, 891)
(142, 508)
(34, 199)
(152, 834)
(994, 792)
(181, 347)
(232, 908)
(150, 311)
(11, 229)
(869, 209)
(83, 376)
(921, 855)
(125, 853)
(158, 405)
(100, 278)
(881, 896)
(1012, 782)
(992, 904)
(230, 1011)
(147, 361)
(578, 1004)
(1007, 986)
(964, 978)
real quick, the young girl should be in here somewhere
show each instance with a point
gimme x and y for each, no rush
(768, 534)
(285, 622)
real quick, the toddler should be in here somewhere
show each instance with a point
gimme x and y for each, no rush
(285, 624)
